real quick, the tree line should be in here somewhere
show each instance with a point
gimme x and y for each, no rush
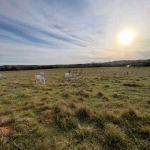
(121, 63)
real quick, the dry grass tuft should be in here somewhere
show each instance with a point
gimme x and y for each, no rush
(83, 132)
(84, 93)
(115, 96)
(47, 116)
(145, 131)
(115, 137)
(97, 119)
(100, 94)
(83, 111)
(133, 84)
(130, 114)
(66, 94)
(110, 117)
(64, 116)
(105, 98)
(4, 131)
(106, 86)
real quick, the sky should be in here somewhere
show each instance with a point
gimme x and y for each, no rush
(49, 32)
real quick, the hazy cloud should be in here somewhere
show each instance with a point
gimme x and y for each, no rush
(72, 31)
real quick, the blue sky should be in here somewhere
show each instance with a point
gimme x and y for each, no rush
(46, 32)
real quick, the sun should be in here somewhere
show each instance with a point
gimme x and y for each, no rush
(126, 37)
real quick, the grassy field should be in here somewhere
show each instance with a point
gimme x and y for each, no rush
(93, 111)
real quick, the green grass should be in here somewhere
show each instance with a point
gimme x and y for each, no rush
(92, 111)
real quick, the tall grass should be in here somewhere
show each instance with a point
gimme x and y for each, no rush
(92, 111)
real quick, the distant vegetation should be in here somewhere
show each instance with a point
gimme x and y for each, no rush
(120, 63)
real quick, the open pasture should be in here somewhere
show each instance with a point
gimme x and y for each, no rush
(92, 111)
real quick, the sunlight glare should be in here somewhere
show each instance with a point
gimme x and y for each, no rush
(126, 37)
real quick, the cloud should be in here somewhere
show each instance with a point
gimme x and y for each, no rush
(69, 31)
